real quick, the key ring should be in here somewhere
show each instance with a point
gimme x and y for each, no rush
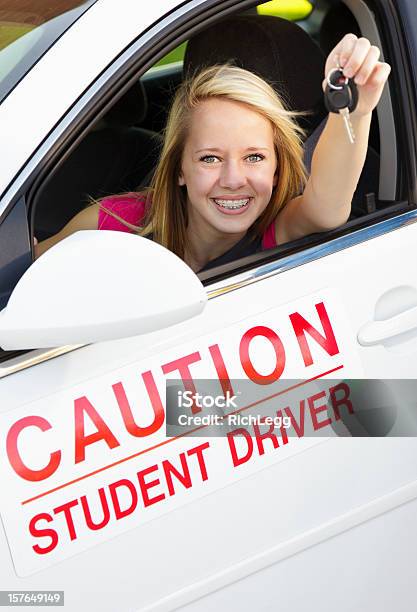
(330, 84)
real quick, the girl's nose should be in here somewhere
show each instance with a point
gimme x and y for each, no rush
(232, 175)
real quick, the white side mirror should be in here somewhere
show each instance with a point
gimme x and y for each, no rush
(99, 285)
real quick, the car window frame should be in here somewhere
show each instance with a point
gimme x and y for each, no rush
(399, 205)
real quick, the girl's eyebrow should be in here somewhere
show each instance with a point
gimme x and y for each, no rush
(208, 149)
(216, 149)
(257, 149)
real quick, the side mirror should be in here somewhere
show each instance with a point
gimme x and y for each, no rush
(99, 285)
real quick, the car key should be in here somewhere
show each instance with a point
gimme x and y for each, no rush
(341, 96)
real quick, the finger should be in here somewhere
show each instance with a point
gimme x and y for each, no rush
(379, 75)
(347, 45)
(357, 57)
(368, 65)
(343, 50)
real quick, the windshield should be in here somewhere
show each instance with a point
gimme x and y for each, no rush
(28, 28)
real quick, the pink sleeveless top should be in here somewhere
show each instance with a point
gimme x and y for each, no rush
(131, 208)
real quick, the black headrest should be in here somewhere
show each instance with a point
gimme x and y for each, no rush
(276, 49)
(337, 22)
(130, 109)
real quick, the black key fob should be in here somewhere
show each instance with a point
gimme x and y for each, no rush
(340, 92)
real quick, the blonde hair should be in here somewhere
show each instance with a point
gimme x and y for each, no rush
(167, 216)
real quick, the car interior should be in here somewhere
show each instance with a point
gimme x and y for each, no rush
(290, 55)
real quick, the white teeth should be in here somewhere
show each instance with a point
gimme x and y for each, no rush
(232, 204)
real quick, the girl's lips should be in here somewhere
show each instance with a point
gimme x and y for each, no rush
(222, 205)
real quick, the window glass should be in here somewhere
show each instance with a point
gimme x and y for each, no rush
(27, 30)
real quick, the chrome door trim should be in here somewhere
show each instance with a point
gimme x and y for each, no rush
(313, 253)
(32, 358)
(261, 272)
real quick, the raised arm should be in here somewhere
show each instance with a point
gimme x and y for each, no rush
(84, 220)
(337, 164)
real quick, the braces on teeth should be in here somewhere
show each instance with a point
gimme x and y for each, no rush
(238, 203)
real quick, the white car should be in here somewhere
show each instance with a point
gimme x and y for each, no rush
(98, 500)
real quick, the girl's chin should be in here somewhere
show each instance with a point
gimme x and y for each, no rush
(234, 227)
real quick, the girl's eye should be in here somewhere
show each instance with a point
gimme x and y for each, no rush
(255, 157)
(209, 159)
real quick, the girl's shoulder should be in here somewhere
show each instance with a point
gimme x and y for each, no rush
(122, 213)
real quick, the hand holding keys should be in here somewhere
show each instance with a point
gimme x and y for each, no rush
(357, 82)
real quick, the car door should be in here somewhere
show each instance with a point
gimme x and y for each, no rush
(102, 504)
(86, 425)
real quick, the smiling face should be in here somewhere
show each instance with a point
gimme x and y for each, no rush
(228, 168)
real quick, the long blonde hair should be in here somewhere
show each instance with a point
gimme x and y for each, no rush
(167, 216)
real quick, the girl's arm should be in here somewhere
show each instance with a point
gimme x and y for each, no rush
(337, 164)
(85, 220)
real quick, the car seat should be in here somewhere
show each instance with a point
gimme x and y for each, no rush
(114, 157)
(283, 54)
(271, 47)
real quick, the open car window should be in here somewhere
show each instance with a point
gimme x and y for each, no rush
(136, 122)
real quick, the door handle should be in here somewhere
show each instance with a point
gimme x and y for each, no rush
(375, 332)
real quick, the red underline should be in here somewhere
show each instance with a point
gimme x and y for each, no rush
(151, 448)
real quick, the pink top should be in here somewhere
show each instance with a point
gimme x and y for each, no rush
(131, 208)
